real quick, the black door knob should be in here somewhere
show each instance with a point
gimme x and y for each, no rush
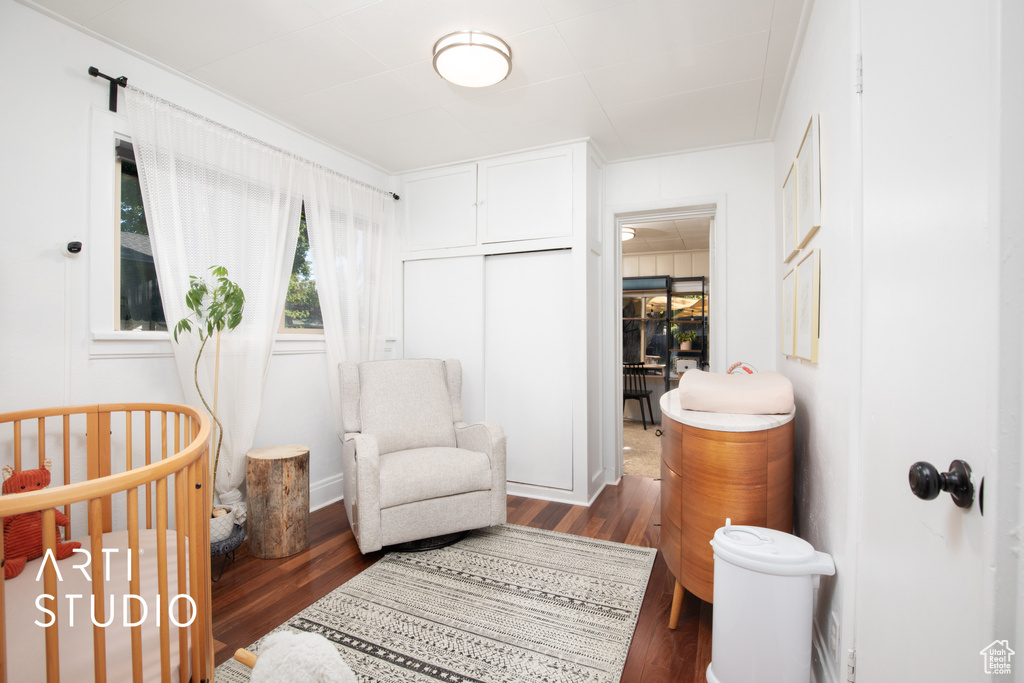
(927, 483)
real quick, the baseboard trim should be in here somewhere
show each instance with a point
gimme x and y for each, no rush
(542, 493)
(331, 490)
(326, 491)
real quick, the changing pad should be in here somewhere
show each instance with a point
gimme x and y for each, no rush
(764, 393)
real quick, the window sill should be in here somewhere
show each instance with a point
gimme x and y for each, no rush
(297, 343)
(145, 344)
(141, 344)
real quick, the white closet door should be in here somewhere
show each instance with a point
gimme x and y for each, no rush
(444, 318)
(529, 347)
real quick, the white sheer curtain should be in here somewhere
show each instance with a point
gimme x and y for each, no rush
(351, 236)
(216, 197)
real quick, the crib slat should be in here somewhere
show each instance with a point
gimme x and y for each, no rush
(17, 445)
(133, 582)
(99, 637)
(200, 566)
(163, 436)
(201, 511)
(50, 588)
(177, 432)
(104, 466)
(3, 619)
(42, 440)
(67, 472)
(180, 542)
(161, 556)
(127, 440)
(149, 456)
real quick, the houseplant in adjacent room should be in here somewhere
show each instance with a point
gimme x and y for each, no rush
(685, 339)
(215, 306)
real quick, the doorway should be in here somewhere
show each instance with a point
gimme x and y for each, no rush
(667, 258)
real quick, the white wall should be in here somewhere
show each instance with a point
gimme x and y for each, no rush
(740, 180)
(46, 347)
(827, 393)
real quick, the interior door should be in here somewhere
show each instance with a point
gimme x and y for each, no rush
(923, 582)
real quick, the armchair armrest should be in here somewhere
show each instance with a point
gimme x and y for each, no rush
(482, 437)
(361, 488)
(488, 438)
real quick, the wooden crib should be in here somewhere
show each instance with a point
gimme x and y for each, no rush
(133, 480)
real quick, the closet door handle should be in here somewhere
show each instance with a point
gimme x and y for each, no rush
(927, 483)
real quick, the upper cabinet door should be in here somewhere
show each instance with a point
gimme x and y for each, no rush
(440, 208)
(526, 196)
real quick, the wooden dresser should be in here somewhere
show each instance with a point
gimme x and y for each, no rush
(714, 466)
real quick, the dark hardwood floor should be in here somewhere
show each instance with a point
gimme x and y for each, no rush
(254, 596)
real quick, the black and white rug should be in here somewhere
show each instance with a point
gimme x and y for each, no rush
(507, 604)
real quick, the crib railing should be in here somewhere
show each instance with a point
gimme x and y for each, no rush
(162, 450)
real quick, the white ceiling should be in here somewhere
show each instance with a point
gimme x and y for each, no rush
(639, 77)
(682, 234)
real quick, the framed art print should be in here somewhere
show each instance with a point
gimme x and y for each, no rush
(789, 313)
(807, 307)
(808, 186)
(789, 241)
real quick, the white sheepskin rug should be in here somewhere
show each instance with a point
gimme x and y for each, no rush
(288, 657)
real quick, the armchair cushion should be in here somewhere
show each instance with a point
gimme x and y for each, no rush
(406, 405)
(414, 475)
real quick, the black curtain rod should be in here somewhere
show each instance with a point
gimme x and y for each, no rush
(114, 83)
(123, 82)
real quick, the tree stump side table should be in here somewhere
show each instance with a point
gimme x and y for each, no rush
(277, 479)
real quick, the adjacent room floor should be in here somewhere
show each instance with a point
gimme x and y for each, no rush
(641, 449)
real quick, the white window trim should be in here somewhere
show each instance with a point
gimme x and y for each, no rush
(102, 248)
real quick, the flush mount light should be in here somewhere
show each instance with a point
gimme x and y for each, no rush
(628, 232)
(473, 59)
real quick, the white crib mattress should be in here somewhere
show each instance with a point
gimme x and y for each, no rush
(26, 648)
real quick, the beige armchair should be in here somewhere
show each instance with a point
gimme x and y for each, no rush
(412, 468)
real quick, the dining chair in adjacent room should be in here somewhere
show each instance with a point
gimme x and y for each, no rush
(634, 386)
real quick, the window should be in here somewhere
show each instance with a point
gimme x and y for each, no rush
(137, 288)
(138, 291)
(302, 304)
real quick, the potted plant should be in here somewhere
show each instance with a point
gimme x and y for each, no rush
(214, 307)
(686, 339)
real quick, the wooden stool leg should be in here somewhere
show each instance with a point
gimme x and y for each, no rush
(677, 603)
(245, 657)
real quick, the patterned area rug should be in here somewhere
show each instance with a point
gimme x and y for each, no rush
(507, 604)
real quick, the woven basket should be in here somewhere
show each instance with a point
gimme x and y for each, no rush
(221, 527)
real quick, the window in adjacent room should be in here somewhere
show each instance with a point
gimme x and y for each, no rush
(137, 289)
(302, 304)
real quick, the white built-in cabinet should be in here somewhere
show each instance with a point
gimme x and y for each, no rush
(526, 381)
(526, 196)
(500, 269)
(440, 208)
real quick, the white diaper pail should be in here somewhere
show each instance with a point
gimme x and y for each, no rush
(764, 594)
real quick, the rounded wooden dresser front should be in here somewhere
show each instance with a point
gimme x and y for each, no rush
(716, 466)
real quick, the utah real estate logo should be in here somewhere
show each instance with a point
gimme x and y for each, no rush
(997, 656)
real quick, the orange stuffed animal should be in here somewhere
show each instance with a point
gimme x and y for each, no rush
(23, 534)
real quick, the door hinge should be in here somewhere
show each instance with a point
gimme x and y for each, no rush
(851, 667)
(858, 86)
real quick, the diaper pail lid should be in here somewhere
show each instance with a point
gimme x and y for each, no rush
(769, 551)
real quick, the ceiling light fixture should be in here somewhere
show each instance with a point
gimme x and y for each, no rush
(473, 59)
(628, 232)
